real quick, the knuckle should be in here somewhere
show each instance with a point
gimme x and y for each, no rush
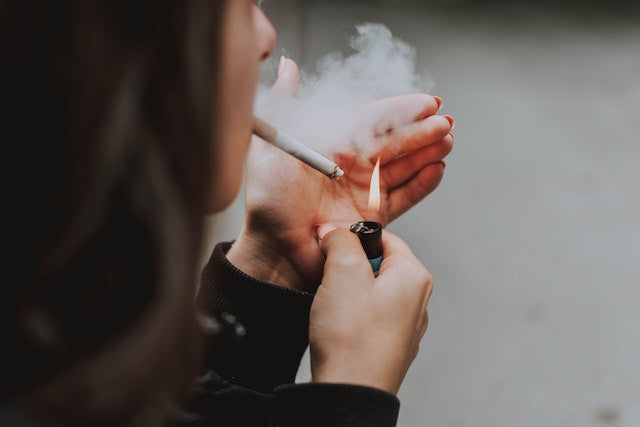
(428, 278)
(415, 352)
(424, 278)
(426, 274)
(429, 282)
(419, 280)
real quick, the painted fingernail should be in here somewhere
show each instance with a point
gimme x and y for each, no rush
(453, 122)
(439, 101)
(323, 230)
(282, 65)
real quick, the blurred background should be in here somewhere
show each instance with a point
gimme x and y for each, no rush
(534, 235)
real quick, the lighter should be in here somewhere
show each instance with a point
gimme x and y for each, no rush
(370, 235)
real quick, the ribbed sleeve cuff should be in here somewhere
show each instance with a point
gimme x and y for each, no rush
(335, 405)
(275, 322)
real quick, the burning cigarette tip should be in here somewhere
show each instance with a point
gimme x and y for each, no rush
(337, 173)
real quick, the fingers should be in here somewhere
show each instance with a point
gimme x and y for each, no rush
(345, 258)
(395, 248)
(416, 189)
(344, 254)
(348, 322)
(412, 136)
(399, 258)
(400, 262)
(399, 171)
(289, 78)
(387, 114)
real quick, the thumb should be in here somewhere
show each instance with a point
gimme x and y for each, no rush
(289, 78)
(344, 256)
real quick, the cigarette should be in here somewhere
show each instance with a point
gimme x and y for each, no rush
(297, 149)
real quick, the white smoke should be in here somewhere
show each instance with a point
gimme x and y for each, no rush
(323, 114)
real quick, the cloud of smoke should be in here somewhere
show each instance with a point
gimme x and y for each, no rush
(323, 115)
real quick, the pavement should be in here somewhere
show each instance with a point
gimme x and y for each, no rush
(533, 237)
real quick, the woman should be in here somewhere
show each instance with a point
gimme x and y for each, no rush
(131, 120)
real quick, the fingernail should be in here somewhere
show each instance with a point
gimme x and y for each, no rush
(323, 230)
(282, 65)
(439, 101)
(453, 122)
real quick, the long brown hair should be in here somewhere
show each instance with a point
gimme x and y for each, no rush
(109, 137)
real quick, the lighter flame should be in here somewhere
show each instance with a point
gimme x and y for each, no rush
(374, 189)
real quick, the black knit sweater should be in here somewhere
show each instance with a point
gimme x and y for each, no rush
(253, 359)
(252, 366)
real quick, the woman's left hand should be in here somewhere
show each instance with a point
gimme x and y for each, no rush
(286, 200)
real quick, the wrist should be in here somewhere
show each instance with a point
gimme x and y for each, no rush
(357, 373)
(263, 262)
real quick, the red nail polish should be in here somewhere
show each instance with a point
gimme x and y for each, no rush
(439, 101)
(451, 120)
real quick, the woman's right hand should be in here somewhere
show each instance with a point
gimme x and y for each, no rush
(366, 330)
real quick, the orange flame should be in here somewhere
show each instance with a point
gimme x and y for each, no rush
(374, 189)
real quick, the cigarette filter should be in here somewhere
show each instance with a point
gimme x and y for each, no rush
(370, 235)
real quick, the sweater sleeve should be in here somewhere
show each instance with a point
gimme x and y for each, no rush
(270, 325)
(335, 405)
(252, 366)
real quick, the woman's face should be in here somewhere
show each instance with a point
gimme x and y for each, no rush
(248, 39)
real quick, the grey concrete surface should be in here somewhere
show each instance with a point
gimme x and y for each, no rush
(534, 235)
